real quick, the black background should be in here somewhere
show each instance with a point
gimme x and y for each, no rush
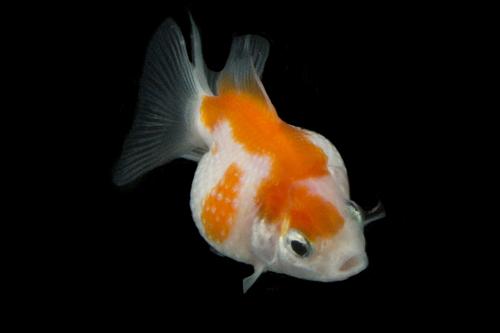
(369, 78)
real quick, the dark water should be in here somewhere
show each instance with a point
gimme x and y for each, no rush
(364, 77)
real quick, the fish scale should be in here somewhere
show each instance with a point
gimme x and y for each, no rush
(265, 193)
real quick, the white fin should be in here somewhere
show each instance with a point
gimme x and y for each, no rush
(253, 48)
(256, 47)
(206, 77)
(376, 213)
(196, 154)
(250, 280)
(164, 125)
(214, 251)
(244, 66)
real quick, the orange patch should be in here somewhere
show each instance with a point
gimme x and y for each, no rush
(256, 125)
(218, 208)
(312, 215)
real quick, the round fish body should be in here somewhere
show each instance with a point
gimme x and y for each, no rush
(265, 193)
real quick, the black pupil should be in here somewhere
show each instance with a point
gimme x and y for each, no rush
(299, 248)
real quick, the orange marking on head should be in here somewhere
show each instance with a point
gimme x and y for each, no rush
(256, 125)
(218, 210)
(312, 215)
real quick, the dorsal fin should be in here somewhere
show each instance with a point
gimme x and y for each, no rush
(244, 66)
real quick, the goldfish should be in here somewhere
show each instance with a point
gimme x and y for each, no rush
(265, 193)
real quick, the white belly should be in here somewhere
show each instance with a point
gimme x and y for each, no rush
(254, 168)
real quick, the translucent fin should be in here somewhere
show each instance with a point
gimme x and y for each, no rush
(196, 154)
(169, 96)
(254, 49)
(212, 80)
(206, 77)
(250, 280)
(244, 66)
(376, 213)
(254, 46)
(214, 251)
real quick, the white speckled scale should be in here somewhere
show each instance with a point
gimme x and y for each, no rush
(211, 168)
(168, 125)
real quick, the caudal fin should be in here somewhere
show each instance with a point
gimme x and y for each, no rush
(170, 93)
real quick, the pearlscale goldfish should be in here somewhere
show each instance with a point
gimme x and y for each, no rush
(265, 193)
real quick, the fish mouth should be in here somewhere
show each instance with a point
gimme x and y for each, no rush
(347, 268)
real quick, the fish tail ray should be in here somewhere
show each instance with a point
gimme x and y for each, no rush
(170, 94)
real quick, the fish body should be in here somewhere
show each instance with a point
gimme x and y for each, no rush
(265, 192)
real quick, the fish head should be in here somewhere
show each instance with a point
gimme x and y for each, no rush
(320, 236)
(332, 257)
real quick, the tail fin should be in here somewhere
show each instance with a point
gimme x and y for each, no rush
(170, 94)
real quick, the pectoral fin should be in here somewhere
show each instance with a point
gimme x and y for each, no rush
(250, 280)
(376, 213)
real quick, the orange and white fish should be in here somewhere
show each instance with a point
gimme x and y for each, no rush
(265, 193)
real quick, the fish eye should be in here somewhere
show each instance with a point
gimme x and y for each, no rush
(356, 211)
(299, 244)
(299, 248)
